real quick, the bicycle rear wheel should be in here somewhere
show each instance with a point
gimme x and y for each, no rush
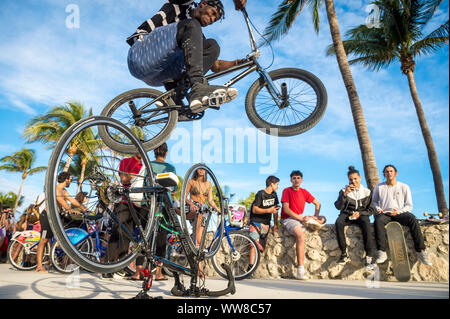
(23, 258)
(303, 102)
(240, 259)
(204, 226)
(99, 177)
(152, 122)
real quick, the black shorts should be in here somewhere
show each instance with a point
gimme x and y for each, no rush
(46, 231)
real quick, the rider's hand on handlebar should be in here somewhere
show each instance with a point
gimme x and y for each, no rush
(239, 4)
(221, 65)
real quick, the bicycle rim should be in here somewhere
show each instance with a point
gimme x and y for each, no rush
(216, 221)
(62, 262)
(19, 258)
(302, 107)
(243, 264)
(152, 128)
(100, 179)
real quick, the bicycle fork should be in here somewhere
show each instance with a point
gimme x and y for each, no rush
(280, 98)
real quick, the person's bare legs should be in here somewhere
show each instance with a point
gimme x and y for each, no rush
(40, 255)
(198, 237)
(300, 245)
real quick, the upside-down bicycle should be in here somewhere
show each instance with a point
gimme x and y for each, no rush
(102, 181)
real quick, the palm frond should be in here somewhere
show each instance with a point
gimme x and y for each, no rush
(429, 9)
(431, 43)
(282, 20)
(37, 170)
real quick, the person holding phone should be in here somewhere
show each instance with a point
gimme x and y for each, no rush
(393, 202)
(355, 205)
(264, 206)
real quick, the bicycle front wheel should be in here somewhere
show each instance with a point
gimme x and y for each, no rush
(243, 259)
(152, 121)
(24, 258)
(62, 262)
(300, 106)
(96, 170)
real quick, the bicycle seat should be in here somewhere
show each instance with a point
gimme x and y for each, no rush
(167, 179)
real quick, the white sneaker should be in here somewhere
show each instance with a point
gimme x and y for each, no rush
(381, 257)
(301, 275)
(313, 224)
(369, 260)
(423, 257)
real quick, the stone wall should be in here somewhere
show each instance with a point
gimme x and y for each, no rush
(322, 253)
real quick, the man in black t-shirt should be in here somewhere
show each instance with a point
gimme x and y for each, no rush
(263, 207)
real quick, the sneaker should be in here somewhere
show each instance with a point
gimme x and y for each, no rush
(108, 276)
(301, 275)
(423, 257)
(199, 97)
(369, 260)
(381, 257)
(343, 259)
(313, 224)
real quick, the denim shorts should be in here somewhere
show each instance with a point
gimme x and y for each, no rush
(290, 224)
(156, 57)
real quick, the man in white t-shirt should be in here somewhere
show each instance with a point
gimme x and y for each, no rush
(393, 202)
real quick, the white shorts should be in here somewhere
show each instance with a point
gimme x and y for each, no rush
(290, 224)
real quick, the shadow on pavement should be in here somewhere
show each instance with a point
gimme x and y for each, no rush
(350, 290)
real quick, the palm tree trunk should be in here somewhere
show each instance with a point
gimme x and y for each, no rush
(18, 195)
(432, 155)
(83, 170)
(368, 159)
(72, 151)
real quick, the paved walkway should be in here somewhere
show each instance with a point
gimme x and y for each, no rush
(16, 284)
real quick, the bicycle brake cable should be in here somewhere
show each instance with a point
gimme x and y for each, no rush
(268, 42)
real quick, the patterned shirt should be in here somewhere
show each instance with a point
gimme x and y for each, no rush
(172, 11)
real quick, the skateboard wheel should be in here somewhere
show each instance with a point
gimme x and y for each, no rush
(425, 214)
(440, 214)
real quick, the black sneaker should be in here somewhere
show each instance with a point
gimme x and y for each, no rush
(202, 95)
(108, 276)
(343, 259)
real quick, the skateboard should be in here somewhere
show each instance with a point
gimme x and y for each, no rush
(436, 218)
(399, 253)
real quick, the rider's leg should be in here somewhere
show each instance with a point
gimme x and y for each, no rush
(190, 38)
(211, 51)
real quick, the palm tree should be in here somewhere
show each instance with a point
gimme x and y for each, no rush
(401, 39)
(21, 161)
(49, 127)
(280, 24)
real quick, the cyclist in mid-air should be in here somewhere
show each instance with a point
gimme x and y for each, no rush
(175, 32)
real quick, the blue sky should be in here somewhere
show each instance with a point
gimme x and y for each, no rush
(43, 63)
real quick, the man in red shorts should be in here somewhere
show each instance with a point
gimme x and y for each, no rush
(293, 201)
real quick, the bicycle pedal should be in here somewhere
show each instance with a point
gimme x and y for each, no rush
(216, 100)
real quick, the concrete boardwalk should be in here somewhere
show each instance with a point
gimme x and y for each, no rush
(16, 284)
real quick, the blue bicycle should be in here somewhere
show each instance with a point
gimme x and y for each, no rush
(86, 239)
(237, 249)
